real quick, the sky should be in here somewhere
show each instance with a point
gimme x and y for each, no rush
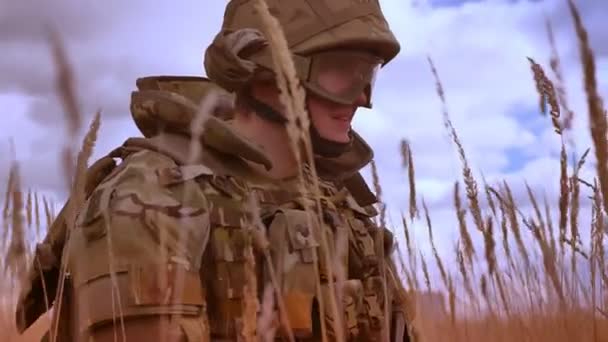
(478, 47)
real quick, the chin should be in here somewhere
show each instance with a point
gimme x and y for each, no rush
(342, 138)
(341, 135)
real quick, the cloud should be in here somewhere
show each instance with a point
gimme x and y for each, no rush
(593, 17)
(28, 20)
(108, 45)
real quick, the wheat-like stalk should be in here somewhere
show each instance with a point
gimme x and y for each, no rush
(76, 200)
(292, 96)
(15, 257)
(555, 63)
(546, 92)
(564, 198)
(467, 241)
(408, 163)
(442, 270)
(469, 180)
(425, 271)
(76, 178)
(597, 112)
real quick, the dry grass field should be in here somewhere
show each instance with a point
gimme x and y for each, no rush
(532, 278)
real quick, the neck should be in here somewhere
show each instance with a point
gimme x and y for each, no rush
(275, 142)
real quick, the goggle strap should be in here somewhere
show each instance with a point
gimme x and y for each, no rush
(264, 110)
(301, 63)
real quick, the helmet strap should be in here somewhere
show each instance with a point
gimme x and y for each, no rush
(263, 110)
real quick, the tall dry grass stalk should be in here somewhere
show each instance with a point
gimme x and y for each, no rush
(408, 163)
(261, 244)
(10, 188)
(515, 226)
(464, 273)
(575, 238)
(378, 190)
(76, 200)
(442, 270)
(250, 295)
(29, 207)
(379, 241)
(76, 172)
(595, 104)
(504, 227)
(467, 241)
(37, 215)
(412, 273)
(488, 193)
(555, 62)
(16, 259)
(66, 88)
(597, 258)
(469, 180)
(408, 239)
(547, 94)
(425, 271)
(564, 199)
(550, 227)
(292, 97)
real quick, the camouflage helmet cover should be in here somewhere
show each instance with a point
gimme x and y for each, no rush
(315, 25)
(312, 26)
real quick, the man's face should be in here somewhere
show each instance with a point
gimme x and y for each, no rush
(331, 119)
(337, 74)
(340, 82)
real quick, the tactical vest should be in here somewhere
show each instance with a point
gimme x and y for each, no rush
(293, 240)
(294, 245)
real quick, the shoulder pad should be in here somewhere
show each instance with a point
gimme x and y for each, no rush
(154, 110)
(194, 88)
(177, 113)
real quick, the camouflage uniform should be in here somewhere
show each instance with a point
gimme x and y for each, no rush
(161, 243)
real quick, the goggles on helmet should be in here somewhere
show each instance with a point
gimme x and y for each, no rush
(341, 76)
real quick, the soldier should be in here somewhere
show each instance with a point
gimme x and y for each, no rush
(160, 250)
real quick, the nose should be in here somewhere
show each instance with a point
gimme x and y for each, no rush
(363, 98)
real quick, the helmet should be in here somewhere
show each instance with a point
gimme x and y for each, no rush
(349, 37)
